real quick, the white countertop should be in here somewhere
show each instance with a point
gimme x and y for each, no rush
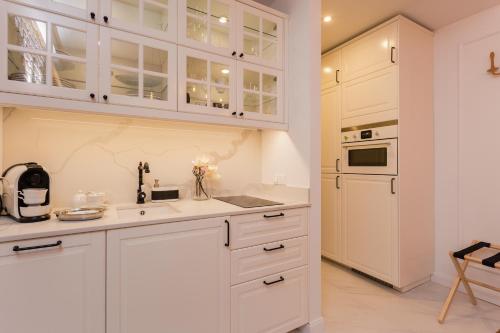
(184, 210)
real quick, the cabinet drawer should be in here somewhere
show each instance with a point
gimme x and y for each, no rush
(274, 304)
(261, 228)
(258, 261)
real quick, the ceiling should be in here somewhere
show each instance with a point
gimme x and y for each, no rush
(352, 17)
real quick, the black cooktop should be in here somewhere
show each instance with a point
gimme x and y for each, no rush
(245, 201)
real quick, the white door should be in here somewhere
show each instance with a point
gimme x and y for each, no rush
(370, 225)
(170, 277)
(150, 18)
(207, 83)
(260, 37)
(47, 54)
(137, 71)
(260, 93)
(331, 236)
(370, 53)
(330, 68)
(53, 285)
(209, 25)
(273, 304)
(331, 130)
(81, 9)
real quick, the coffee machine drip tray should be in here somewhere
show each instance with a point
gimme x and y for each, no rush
(245, 201)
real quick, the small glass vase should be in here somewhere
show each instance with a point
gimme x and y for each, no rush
(200, 190)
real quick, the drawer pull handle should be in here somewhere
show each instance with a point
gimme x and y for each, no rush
(273, 216)
(17, 248)
(274, 248)
(281, 279)
(228, 239)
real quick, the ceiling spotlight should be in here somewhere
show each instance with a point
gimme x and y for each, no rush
(327, 19)
(223, 19)
(225, 71)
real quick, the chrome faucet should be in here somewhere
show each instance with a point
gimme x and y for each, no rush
(141, 195)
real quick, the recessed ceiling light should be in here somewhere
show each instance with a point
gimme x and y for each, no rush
(223, 19)
(225, 71)
(327, 19)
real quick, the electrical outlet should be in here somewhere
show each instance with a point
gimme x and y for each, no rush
(279, 179)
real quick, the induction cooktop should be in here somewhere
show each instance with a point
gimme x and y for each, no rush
(245, 201)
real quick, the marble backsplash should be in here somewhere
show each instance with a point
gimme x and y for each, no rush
(101, 153)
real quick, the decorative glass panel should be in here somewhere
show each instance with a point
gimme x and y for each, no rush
(155, 87)
(68, 74)
(69, 41)
(197, 8)
(197, 29)
(197, 94)
(155, 17)
(124, 83)
(251, 102)
(269, 50)
(155, 60)
(251, 45)
(27, 67)
(219, 97)
(220, 36)
(124, 53)
(27, 32)
(269, 105)
(251, 23)
(196, 69)
(251, 80)
(269, 83)
(269, 29)
(126, 10)
(220, 74)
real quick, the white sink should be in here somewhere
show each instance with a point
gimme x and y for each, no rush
(140, 213)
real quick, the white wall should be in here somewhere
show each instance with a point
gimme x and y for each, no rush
(467, 118)
(296, 154)
(101, 153)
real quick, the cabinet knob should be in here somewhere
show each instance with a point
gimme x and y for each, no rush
(92, 15)
(234, 53)
(92, 95)
(234, 113)
(105, 97)
(242, 55)
(106, 19)
(241, 114)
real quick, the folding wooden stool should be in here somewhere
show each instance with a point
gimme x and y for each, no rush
(483, 253)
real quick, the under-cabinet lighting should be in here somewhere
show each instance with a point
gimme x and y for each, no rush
(327, 70)
(327, 19)
(223, 19)
(225, 71)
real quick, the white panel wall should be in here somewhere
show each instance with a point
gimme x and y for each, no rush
(467, 117)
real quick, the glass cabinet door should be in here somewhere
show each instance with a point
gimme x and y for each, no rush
(150, 18)
(137, 71)
(260, 37)
(207, 83)
(260, 93)
(47, 54)
(81, 9)
(208, 25)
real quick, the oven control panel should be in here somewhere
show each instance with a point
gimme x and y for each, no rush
(368, 134)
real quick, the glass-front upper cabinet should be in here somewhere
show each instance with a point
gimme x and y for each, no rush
(260, 93)
(207, 83)
(47, 54)
(150, 18)
(208, 25)
(260, 37)
(137, 71)
(81, 9)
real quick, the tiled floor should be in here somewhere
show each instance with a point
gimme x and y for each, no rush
(354, 304)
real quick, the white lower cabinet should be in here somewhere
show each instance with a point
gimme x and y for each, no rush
(331, 237)
(273, 304)
(53, 285)
(170, 277)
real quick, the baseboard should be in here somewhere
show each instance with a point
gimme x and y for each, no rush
(314, 326)
(484, 294)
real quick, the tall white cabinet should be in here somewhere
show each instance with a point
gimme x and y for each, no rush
(382, 224)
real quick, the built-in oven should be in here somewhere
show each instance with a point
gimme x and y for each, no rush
(370, 150)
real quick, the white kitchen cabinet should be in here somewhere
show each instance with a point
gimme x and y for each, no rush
(170, 277)
(80, 9)
(260, 93)
(375, 95)
(331, 130)
(373, 52)
(273, 304)
(260, 37)
(209, 25)
(370, 225)
(47, 54)
(332, 242)
(207, 83)
(137, 71)
(331, 68)
(151, 18)
(57, 286)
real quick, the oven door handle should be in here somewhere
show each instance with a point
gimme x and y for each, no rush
(367, 145)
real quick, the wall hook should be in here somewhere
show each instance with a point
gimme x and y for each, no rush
(493, 69)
